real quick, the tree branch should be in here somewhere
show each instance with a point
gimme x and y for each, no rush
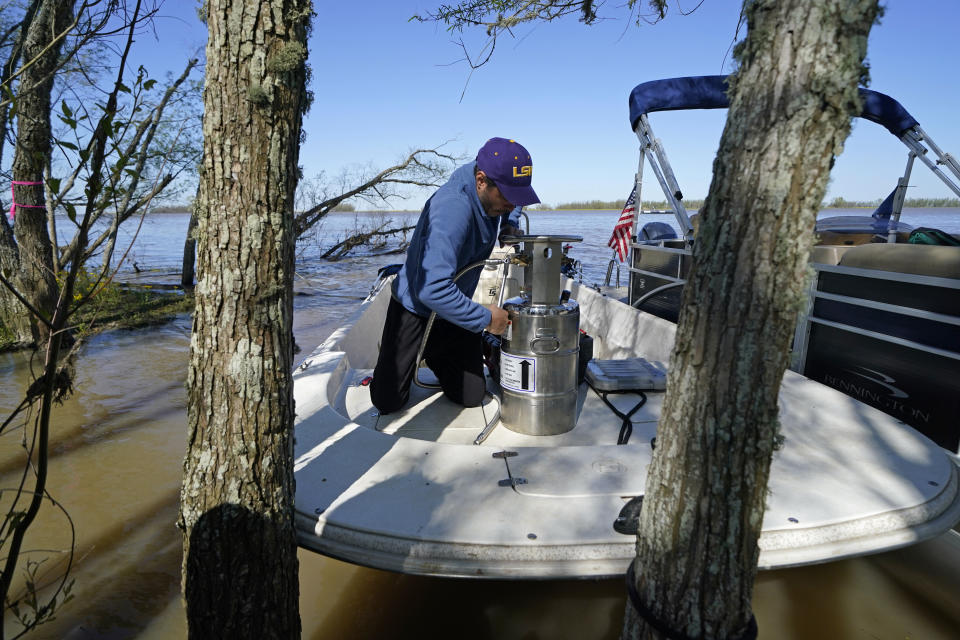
(412, 171)
(497, 16)
(139, 148)
(33, 310)
(356, 240)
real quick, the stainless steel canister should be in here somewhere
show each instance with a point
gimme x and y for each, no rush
(538, 367)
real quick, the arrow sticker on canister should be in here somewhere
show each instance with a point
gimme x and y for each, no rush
(518, 373)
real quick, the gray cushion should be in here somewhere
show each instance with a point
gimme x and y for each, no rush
(919, 259)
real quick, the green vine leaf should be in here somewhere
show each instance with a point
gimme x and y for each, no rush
(71, 211)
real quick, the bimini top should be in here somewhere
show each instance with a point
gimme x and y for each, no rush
(710, 92)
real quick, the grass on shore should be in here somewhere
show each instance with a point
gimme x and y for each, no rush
(130, 306)
(116, 306)
(617, 205)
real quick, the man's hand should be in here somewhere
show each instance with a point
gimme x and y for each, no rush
(508, 230)
(498, 320)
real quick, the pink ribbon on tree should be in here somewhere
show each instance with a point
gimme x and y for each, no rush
(13, 198)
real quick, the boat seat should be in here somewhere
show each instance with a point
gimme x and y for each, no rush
(828, 253)
(918, 259)
(851, 238)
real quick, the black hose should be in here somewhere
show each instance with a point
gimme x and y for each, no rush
(433, 316)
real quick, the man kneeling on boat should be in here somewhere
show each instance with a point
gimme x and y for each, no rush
(458, 226)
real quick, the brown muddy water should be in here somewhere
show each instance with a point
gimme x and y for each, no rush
(116, 453)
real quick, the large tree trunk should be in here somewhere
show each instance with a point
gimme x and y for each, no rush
(188, 272)
(10, 67)
(31, 263)
(14, 319)
(790, 109)
(14, 323)
(240, 566)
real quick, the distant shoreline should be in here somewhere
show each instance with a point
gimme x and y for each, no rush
(917, 203)
(836, 203)
(649, 210)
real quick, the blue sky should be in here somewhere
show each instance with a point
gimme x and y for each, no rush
(384, 85)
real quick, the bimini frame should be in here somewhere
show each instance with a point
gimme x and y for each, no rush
(710, 92)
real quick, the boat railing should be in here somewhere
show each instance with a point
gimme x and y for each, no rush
(809, 315)
(658, 267)
(670, 285)
(613, 264)
(526, 222)
(887, 338)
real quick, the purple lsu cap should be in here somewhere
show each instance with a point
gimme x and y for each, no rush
(508, 164)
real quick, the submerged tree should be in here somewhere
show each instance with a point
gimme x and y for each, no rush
(28, 261)
(320, 195)
(52, 314)
(236, 513)
(147, 147)
(35, 306)
(791, 103)
(317, 197)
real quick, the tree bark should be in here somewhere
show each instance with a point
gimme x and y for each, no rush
(10, 66)
(240, 566)
(187, 273)
(31, 263)
(14, 319)
(790, 108)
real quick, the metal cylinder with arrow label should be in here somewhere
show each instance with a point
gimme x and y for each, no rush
(538, 353)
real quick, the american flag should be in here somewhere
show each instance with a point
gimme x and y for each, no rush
(620, 240)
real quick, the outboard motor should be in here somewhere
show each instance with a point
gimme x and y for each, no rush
(653, 231)
(539, 350)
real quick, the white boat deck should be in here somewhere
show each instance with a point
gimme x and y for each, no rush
(410, 492)
(429, 416)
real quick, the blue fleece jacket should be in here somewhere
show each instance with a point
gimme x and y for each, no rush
(453, 232)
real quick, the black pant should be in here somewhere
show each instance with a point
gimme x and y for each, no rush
(452, 353)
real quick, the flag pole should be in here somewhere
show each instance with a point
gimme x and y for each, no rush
(638, 185)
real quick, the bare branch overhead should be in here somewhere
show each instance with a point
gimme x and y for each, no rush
(421, 168)
(500, 15)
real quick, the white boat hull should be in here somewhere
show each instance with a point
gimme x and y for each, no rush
(410, 493)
